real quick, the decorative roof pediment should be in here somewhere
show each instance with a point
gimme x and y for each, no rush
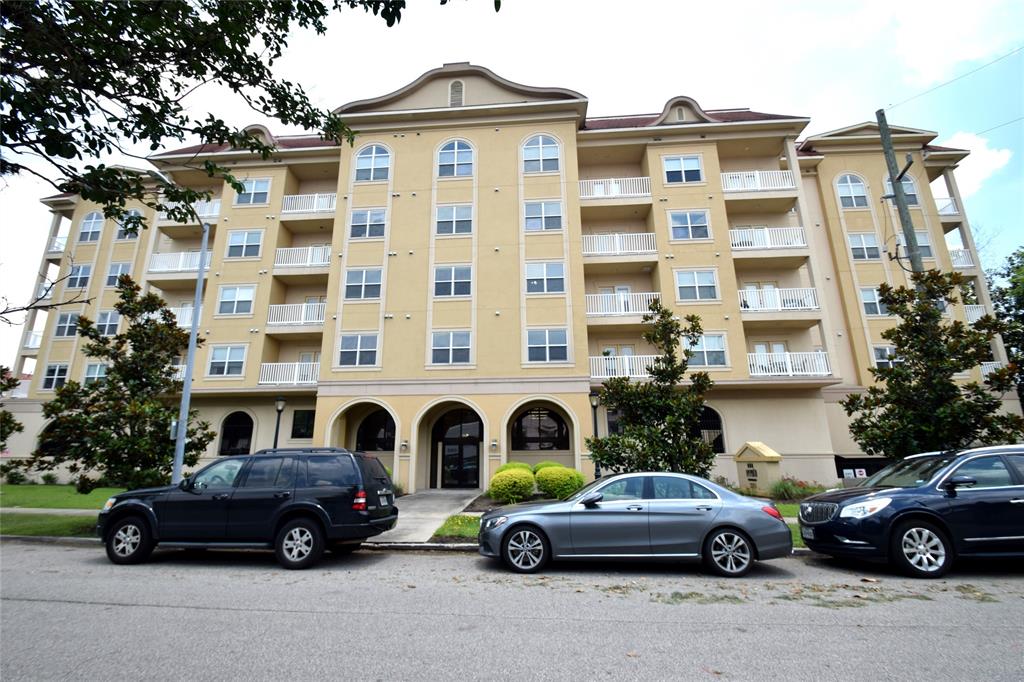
(870, 129)
(682, 109)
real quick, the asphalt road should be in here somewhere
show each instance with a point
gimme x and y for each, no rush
(66, 613)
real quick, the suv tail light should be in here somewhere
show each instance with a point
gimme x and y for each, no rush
(772, 511)
(359, 501)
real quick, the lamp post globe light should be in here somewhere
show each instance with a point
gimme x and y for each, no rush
(279, 404)
(594, 402)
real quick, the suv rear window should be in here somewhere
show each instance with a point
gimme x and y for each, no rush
(374, 470)
(330, 470)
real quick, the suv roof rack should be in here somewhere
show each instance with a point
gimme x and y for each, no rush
(308, 451)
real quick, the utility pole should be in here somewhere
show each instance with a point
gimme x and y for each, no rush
(896, 178)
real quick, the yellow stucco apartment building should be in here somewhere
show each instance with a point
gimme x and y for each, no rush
(451, 289)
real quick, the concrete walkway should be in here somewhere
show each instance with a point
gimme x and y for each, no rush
(421, 513)
(42, 510)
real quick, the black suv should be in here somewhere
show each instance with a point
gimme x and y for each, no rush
(297, 501)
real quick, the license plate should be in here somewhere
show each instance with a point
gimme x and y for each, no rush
(384, 501)
(806, 533)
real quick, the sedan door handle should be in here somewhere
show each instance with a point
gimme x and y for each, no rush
(1017, 500)
(704, 508)
(283, 495)
(635, 507)
(221, 496)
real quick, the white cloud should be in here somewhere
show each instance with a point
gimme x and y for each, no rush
(983, 162)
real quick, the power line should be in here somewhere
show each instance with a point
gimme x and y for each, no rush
(953, 80)
(987, 130)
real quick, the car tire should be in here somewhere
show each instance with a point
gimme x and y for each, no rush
(728, 552)
(342, 549)
(129, 541)
(921, 549)
(525, 549)
(299, 544)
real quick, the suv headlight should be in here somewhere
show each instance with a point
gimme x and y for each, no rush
(495, 522)
(111, 501)
(862, 510)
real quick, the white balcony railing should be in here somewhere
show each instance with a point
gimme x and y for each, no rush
(974, 312)
(34, 340)
(303, 257)
(947, 206)
(757, 181)
(988, 367)
(45, 291)
(619, 304)
(296, 313)
(184, 315)
(775, 300)
(57, 245)
(633, 366)
(186, 261)
(293, 373)
(788, 364)
(205, 209)
(961, 258)
(309, 203)
(744, 238)
(615, 188)
(179, 372)
(626, 244)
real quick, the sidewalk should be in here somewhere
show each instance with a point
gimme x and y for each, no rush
(44, 510)
(421, 513)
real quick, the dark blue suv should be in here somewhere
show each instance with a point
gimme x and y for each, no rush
(923, 512)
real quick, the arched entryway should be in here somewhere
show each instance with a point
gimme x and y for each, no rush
(540, 430)
(236, 434)
(711, 429)
(456, 439)
(376, 432)
(366, 426)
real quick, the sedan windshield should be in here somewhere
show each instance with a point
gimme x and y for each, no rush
(909, 473)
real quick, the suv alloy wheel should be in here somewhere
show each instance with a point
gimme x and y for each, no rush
(299, 544)
(129, 541)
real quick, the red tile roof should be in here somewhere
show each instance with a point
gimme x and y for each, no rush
(937, 148)
(644, 120)
(293, 142)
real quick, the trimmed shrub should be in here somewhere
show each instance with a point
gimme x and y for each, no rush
(794, 489)
(560, 482)
(512, 485)
(545, 464)
(507, 466)
(15, 477)
(50, 478)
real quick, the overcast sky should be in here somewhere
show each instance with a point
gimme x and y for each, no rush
(834, 62)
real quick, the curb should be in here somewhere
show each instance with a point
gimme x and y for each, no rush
(51, 540)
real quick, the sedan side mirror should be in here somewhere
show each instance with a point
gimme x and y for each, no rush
(592, 499)
(959, 482)
(184, 484)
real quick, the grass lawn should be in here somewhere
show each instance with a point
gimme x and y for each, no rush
(789, 509)
(46, 524)
(53, 496)
(798, 541)
(460, 526)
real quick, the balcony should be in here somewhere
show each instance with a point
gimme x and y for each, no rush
(303, 257)
(184, 315)
(778, 300)
(309, 203)
(989, 367)
(758, 181)
(616, 188)
(974, 312)
(179, 372)
(812, 364)
(207, 210)
(961, 258)
(632, 366)
(186, 261)
(296, 314)
(34, 340)
(45, 291)
(289, 373)
(947, 206)
(617, 305)
(608, 252)
(56, 245)
(763, 238)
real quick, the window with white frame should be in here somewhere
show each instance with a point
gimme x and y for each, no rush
(909, 189)
(872, 305)
(696, 285)
(450, 348)
(709, 351)
(255, 192)
(453, 280)
(683, 169)
(852, 192)
(244, 243)
(78, 278)
(688, 225)
(92, 225)
(362, 284)
(67, 324)
(122, 233)
(373, 163)
(455, 160)
(115, 271)
(540, 154)
(864, 246)
(55, 376)
(227, 361)
(456, 89)
(367, 223)
(358, 350)
(547, 345)
(236, 300)
(885, 357)
(107, 321)
(543, 215)
(94, 371)
(545, 278)
(455, 219)
(924, 243)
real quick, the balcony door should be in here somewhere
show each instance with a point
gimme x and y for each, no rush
(311, 311)
(770, 357)
(761, 296)
(618, 299)
(615, 367)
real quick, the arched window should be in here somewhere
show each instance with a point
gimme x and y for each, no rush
(852, 193)
(373, 163)
(91, 226)
(455, 90)
(125, 234)
(376, 433)
(539, 428)
(455, 160)
(711, 430)
(236, 434)
(540, 154)
(909, 189)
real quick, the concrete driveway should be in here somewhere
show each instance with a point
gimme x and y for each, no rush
(420, 513)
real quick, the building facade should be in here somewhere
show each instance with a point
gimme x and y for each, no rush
(449, 290)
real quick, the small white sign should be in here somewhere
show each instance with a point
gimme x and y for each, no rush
(848, 473)
(861, 473)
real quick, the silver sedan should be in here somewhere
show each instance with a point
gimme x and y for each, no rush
(639, 516)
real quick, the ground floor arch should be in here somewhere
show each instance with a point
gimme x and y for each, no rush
(451, 453)
(369, 426)
(539, 429)
(236, 434)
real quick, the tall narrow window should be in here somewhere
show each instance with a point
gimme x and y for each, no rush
(455, 91)
(455, 160)
(373, 163)
(852, 193)
(540, 154)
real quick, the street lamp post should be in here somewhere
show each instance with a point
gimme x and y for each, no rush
(594, 400)
(279, 406)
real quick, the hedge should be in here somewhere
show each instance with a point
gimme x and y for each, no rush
(511, 486)
(514, 465)
(544, 465)
(559, 482)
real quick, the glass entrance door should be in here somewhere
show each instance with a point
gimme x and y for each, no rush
(457, 436)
